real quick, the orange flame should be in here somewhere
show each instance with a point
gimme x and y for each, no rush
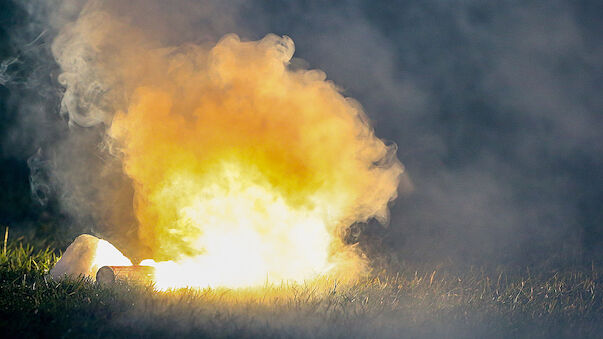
(245, 170)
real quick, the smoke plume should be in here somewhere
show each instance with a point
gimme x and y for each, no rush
(228, 145)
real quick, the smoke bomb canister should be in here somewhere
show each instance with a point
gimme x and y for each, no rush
(135, 273)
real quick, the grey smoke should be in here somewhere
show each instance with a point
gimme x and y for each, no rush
(495, 107)
(495, 110)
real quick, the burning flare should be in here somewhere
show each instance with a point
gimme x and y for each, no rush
(245, 170)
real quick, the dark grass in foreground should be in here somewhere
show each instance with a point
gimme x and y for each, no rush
(407, 304)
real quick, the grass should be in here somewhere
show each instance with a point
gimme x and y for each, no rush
(430, 304)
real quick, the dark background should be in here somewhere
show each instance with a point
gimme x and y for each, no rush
(496, 107)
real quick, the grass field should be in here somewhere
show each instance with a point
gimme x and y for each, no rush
(430, 304)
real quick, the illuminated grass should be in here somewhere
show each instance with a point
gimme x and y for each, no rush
(409, 303)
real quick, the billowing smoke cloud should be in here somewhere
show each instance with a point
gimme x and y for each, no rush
(233, 152)
(495, 108)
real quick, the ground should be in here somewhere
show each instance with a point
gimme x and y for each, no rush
(406, 303)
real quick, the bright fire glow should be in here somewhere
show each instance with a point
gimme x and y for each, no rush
(107, 255)
(256, 238)
(245, 169)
